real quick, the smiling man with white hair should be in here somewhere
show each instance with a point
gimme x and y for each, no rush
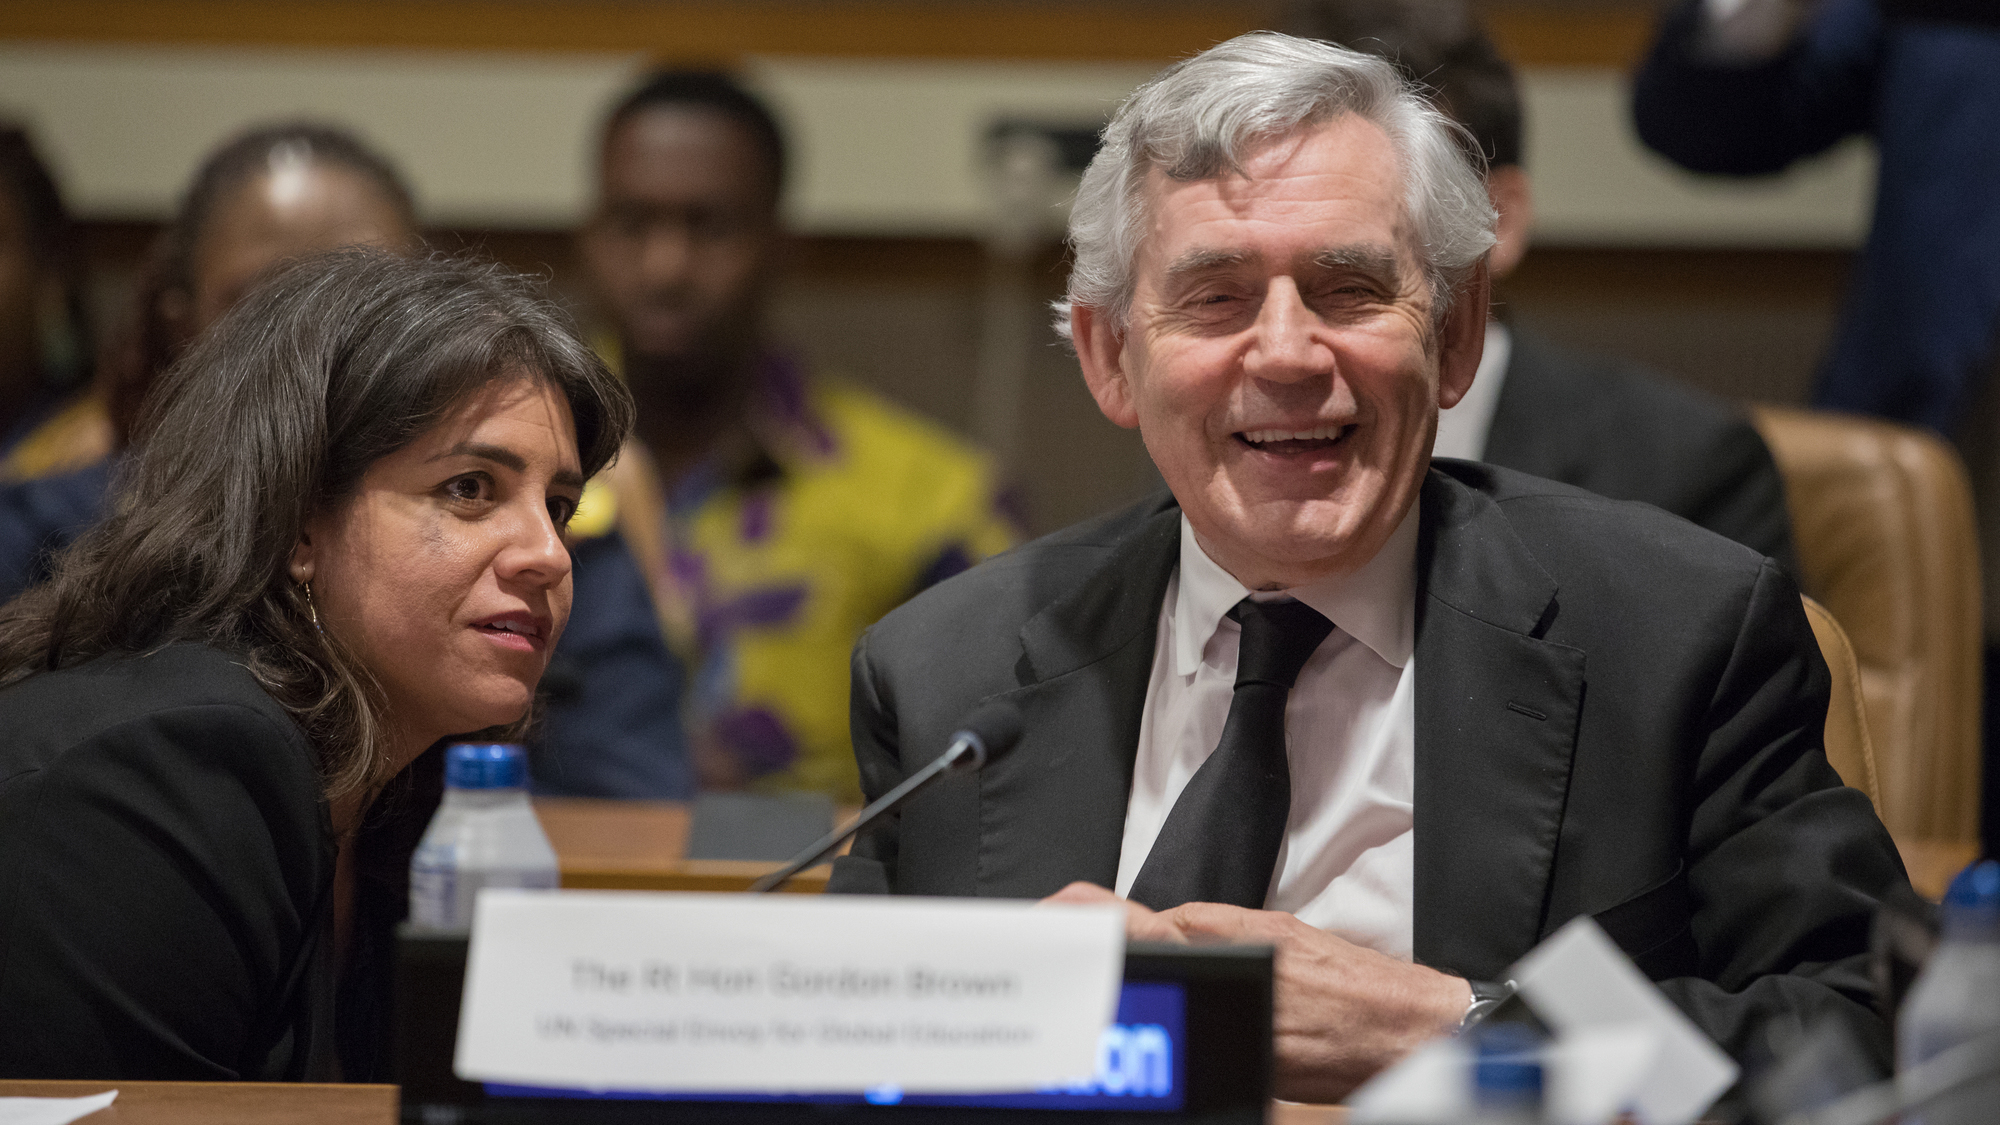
(1399, 719)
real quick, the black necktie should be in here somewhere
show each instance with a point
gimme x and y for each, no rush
(1220, 842)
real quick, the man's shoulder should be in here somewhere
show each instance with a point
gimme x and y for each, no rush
(1597, 386)
(846, 441)
(870, 426)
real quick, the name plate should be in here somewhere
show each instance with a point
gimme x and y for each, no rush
(613, 990)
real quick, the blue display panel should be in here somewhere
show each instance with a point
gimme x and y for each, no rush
(1141, 1065)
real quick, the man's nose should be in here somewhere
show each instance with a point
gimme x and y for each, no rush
(666, 254)
(1285, 346)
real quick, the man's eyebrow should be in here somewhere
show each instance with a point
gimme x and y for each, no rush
(503, 456)
(1200, 261)
(1376, 261)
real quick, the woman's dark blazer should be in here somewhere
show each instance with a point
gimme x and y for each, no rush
(166, 875)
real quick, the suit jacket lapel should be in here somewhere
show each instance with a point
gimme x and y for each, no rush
(1496, 719)
(1053, 810)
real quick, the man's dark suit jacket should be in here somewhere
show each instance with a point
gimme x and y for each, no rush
(166, 878)
(1617, 714)
(1620, 431)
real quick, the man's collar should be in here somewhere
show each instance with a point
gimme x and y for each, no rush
(1375, 605)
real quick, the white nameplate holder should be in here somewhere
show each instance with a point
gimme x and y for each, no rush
(610, 990)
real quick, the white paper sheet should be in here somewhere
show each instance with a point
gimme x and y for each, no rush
(52, 1111)
(606, 990)
(1618, 1043)
(1579, 981)
(1432, 1083)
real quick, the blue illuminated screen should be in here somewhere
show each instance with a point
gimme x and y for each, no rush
(1140, 1066)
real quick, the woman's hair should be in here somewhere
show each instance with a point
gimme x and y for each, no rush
(272, 416)
(54, 245)
(1202, 117)
(147, 343)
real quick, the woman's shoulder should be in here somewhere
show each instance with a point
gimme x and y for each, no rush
(162, 832)
(185, 695)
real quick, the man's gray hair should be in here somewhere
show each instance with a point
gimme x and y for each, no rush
(1202, 117)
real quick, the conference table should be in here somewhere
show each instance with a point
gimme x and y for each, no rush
(619, 845)
(642, 846)
(279, 1103)
(223, 1103)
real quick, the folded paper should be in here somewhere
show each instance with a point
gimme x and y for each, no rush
(601, 990)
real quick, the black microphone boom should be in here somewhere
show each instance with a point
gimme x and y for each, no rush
(993, 729)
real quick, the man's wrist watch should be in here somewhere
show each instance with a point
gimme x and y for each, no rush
(1487, 996)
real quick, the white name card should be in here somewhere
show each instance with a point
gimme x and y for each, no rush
(611, 990)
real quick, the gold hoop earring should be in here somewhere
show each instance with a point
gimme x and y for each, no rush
(312, 613)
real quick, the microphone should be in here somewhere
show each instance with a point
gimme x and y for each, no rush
(993, 729)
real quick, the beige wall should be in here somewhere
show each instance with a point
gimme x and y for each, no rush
(886, 148)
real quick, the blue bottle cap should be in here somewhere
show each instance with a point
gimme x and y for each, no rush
(1977, 887)
(1507, 1064)
(485, 765)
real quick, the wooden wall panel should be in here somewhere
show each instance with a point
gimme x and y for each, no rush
(1548, 34)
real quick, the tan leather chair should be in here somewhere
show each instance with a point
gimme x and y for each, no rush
(1848, 746)
(1883, 521)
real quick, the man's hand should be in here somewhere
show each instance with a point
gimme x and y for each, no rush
(1343, 1012)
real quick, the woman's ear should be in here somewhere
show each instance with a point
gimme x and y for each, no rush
(301, 565)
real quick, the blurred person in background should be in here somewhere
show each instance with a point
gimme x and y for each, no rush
(1592, 421)
(340, 543)
(1750, 87)
(44, 328)
(272, 194)
(764, 516)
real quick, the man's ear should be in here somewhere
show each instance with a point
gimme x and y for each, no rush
(1507, 187)
(1462, 337)
(1100, 350)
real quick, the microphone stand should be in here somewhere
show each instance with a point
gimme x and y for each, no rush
(965, 752)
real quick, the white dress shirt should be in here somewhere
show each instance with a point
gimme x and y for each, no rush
(1350, 736)
(1463, 429)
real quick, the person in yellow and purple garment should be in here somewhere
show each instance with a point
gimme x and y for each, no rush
(764, 515)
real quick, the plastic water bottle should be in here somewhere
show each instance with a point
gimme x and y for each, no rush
(1957, 997)
(1506, 1075)
(484, 834)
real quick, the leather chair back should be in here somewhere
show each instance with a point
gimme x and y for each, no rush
(1883, 523)
(1848, 747)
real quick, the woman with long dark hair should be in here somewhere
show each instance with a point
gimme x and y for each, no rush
(338, 541)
